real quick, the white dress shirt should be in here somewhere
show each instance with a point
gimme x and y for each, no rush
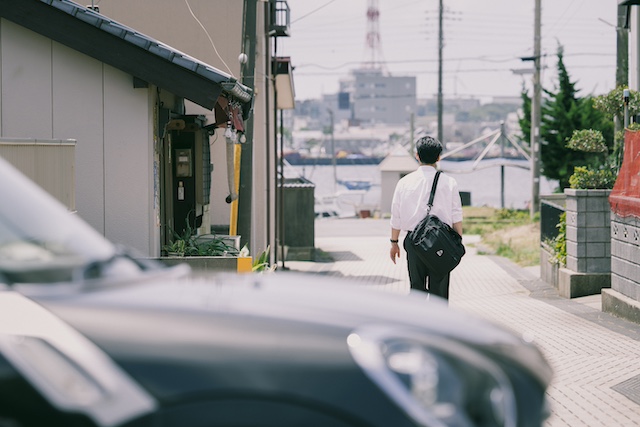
(409, 205)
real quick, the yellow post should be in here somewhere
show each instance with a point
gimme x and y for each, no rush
(233, 224)
(245, 265)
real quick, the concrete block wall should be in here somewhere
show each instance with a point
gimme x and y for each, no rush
(625, 256)
(588, 231)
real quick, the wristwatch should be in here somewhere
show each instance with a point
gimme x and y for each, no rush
(393, 241)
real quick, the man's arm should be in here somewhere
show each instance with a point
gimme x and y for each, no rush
(395, 246)
(457, 226)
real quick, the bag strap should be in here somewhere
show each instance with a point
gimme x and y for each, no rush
(433, 191)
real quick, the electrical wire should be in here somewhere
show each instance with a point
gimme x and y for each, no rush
(313, 11)
(449, 60)
(209, 37)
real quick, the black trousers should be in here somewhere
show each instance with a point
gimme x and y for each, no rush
(419, 274)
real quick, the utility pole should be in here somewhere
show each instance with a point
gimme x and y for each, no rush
(622, 49)
(246, 158)
(333, 154)
(622, 75)
(535, 114)
(502, 138)
(440, 46)
(412, 131)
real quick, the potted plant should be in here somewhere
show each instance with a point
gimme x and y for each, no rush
(205, 252)
(189, 243)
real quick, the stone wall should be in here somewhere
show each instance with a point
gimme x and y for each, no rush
(625, 256)
(623, 299)
(588, 243)
(588, 231)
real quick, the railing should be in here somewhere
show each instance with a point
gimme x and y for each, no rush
(551, 207)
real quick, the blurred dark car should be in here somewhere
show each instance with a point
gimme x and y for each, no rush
(92, 336)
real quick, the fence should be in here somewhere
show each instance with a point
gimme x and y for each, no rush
(551, 207)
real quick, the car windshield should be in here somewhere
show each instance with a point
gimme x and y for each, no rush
(43, 242)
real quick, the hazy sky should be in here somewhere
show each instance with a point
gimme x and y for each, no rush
(484, 41)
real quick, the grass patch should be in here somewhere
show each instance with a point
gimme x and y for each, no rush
(321, 256)
(505, 232)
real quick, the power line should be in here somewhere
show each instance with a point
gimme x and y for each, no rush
(460, 71)
(312, 12)
(450, 60)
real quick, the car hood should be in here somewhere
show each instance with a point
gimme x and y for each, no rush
(269, 322)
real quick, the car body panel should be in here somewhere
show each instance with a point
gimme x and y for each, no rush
(277, 349)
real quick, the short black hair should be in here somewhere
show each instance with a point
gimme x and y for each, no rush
(428, 149)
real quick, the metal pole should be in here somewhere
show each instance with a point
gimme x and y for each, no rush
(270, 175)
(622, 48)
(412, 131)
(282, 234)
(440, 46)
(333, 155)
(502, 167)
(622, 75)
(276, 160)
(626, 95)
(535, 115)
(502, 186)
(245, 192)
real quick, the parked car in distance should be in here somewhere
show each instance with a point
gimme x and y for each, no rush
(92, 336)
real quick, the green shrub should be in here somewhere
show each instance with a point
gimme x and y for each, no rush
(612, 103)
(261, 263)
(189, 243)
(558, 245)
(584, 178)
(588, 140)
(513, 214)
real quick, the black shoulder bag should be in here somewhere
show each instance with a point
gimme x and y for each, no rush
(437, 244)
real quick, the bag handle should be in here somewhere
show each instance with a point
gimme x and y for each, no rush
(433, 191)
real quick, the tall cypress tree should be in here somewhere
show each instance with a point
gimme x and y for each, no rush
(525, 120)
(563, 112)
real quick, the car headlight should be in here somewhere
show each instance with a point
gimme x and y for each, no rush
(68, 370)
(438, 382)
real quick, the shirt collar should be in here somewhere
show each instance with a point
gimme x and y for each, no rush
(427, 169)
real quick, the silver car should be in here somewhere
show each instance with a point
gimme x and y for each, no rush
(92, 336)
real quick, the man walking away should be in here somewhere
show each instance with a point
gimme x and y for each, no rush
(409, 207)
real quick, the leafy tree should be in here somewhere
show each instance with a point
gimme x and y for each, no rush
(562, 112)
(612, 105)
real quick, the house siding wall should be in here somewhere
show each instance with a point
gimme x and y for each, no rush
(79, 111)
(51, 91)
(27, 90)
(127, 158)
(172, 23)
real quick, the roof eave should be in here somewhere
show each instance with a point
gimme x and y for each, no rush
(153, 63)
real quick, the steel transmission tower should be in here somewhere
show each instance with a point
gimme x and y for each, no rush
(373, 50)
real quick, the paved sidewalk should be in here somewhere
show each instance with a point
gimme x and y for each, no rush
(594, 355)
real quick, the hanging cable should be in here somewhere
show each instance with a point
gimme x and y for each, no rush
(208, 36)
(313, 11)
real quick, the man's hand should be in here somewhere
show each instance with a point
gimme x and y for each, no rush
(394, 252)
